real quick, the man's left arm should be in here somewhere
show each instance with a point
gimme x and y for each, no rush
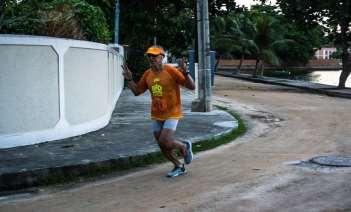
(189, 82)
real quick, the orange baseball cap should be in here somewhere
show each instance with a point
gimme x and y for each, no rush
(155, 50)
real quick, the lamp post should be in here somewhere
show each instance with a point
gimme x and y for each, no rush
(203, 102)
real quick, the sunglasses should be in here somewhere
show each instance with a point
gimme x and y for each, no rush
(152, 55)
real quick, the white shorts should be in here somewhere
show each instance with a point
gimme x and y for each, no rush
(167, 124)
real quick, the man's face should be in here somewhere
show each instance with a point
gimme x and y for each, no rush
(155, 59)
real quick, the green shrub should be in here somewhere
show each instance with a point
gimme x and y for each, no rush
(60, 22)
(59, 18)
(92, 20)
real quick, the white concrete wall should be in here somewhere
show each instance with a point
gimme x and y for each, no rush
(53, 88)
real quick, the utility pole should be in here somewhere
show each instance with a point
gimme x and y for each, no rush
(117, 11)
(203, 103)
(155, 26)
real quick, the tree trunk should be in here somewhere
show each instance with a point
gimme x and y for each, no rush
(346, 70)
(261, 68)
(2, 7)
(346, 60)
(216, 65)
(240, 63)
(256, 68)
(2, 13)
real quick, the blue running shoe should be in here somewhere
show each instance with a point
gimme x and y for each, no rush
(177, 171)
(189, 152)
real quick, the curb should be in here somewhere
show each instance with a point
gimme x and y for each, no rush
(46, 176)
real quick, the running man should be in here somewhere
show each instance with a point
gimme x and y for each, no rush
(164, 81)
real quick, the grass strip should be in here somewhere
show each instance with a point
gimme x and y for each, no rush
(223, 139)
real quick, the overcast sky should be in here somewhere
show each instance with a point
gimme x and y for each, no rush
(247, 3)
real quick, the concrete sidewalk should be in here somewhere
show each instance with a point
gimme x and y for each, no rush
(128, 138)
(309, 86)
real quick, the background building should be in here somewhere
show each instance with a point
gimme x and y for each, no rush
(325, 52)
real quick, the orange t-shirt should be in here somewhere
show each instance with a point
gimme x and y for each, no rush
(165, 92)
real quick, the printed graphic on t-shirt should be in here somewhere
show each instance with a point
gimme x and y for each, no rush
(156, 89)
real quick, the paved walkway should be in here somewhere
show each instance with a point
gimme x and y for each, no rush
(128, 138)
(313, 87)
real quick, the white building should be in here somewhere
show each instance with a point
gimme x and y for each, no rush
(325, 52)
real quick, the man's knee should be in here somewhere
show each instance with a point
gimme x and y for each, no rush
(166, 142)
(157, 135)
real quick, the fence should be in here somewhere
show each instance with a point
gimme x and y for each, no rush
(54, 88)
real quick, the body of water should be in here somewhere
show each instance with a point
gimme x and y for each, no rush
(324, 77)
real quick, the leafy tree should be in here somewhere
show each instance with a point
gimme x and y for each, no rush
(294, 43)
(266, 35)
(107, 7)
(336, 15)
(2, 14)
(20, 18)
(303, 48)
(222, 8)
(337, 54)
(170, 24)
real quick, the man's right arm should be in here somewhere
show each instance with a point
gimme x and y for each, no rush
(128, 75)
(133, 87)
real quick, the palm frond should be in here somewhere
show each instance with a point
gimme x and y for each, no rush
(271, 57)
(283, 42)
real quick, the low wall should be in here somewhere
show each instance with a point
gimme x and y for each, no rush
(54, 88)
(315, 64)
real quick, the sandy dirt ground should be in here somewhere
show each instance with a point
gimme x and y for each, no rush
(256, 172)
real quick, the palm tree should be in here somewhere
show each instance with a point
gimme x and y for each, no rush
(233, 34)
(266, 38)
(242, 30)
(221, 42)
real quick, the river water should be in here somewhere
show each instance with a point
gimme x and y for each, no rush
(324, 77)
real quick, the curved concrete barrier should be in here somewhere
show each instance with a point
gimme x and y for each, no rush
(53, 88)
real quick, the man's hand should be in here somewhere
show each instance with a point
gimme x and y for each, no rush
(128, 75)
(183, 66)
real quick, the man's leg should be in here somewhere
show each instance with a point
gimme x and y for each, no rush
(169, 144)
(167, 154)
(163, 133)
